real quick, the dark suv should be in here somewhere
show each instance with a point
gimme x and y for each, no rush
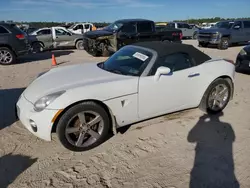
(13, 43)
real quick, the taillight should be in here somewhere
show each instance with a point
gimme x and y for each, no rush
(181, 36)
(229, 61)
(20, 36)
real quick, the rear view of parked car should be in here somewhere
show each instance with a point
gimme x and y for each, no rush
(13, 43)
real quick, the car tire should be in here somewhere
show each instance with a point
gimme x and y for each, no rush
(224, 43)
(195, 35)
(7, 56)
(79, 45)
(206, 105)
(69, 127)
(37, 47)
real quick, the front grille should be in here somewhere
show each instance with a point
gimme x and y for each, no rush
(204, 35)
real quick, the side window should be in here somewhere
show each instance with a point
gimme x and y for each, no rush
(246, 24)
(61, 32)
(185, 26)
(44, 32)
(238, 23)
(129, 28)
(144, 27)
(80, 26)
(176, 62)
(171, 25)
(3, 30)
(86, 26)
(179, 25)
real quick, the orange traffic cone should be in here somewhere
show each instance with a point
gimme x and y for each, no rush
(54, 63)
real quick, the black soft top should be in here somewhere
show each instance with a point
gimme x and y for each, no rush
(166, 48)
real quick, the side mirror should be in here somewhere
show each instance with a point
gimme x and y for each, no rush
(237, 27)
(161, 71)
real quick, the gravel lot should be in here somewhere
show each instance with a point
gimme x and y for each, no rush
(167, 152)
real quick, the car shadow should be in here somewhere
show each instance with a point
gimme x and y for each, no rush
(213, 46)
(12, 166)
(213, 164)
(8, 99)
(43, 56)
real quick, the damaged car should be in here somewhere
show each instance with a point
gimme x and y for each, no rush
(125, 32)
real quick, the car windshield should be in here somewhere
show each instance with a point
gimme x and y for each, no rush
(129, 61)
(114, 26)
(225, 25)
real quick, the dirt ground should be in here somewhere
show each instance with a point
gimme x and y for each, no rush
(181, 150)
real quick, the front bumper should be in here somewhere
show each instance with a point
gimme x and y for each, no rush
(26, 114)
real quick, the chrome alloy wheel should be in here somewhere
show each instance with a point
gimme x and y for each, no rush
(5, 57)
(84, 129)
(218, 97)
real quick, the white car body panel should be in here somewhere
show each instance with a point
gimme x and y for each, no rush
(130, 99)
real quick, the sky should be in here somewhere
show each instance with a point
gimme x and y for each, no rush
(111, 10)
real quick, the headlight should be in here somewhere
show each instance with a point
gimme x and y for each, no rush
(214, 35)
(43, 102)
(243, 52)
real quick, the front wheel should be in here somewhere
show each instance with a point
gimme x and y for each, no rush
(216, 97)
(224, 43)
(83, 127)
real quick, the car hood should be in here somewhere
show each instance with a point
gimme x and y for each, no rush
(214, 30)
(69, 77)
(97, 33)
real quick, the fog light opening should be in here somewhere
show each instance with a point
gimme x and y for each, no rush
(33, 125)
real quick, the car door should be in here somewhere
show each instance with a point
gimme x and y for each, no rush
(189, 31)
(237, 32)
(86, 27)
(63, 38)
(246, 30)
(177, 91)
(45, 36)
(127, 34)
(144, 31)
(78, 29)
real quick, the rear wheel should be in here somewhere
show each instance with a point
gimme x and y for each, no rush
(79, 45)
(83, 127)
(216, 97)
(37, 47)
(7, 56)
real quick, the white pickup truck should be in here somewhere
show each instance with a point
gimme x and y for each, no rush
(81, 28)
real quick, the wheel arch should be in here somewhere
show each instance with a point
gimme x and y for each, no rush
(78, 39)
(8, 46)
(106, 108)
(224, 77)
(38, 42)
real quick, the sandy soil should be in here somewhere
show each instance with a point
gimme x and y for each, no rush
(186, 149)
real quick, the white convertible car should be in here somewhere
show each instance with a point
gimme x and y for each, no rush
(84, 102)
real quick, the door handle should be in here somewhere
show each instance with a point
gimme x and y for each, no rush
(193, 74)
